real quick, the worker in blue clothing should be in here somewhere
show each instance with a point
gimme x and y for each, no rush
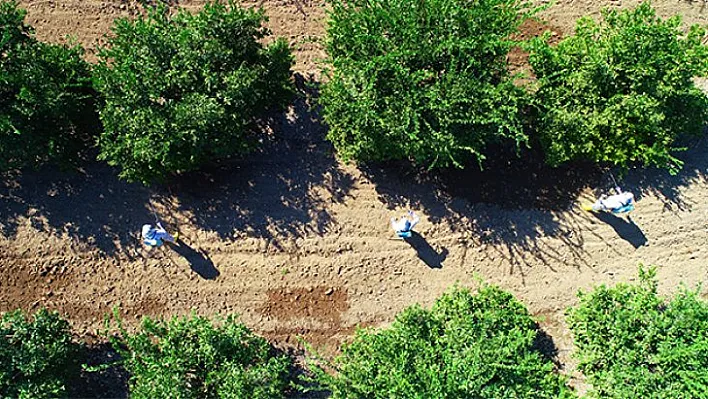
(154, 236)
(404, 226)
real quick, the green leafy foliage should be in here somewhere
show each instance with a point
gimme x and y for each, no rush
(47, 103)
(191, 357)
(421, 80)
(184, 89)
(631, 343)
(37, 356)
(467, 346)
(620, 91)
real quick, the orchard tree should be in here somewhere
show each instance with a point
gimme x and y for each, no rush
(37, 356)
(182, 89)
(421, 80)
(47, 104)
(632, 343)
(467, 346)
(620, 91)
(191, 357)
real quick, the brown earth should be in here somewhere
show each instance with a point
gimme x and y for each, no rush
(88, 21)
(532, 27)
(298, 243)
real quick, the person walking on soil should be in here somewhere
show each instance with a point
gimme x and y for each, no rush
(404, 226)
(619, 203)
(154, 236)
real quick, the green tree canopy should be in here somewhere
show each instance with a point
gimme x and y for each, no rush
(47, 103)
(631, 343)
(421, 80)
(191, 357)
(182, 89)
(467, 346)
(37, 356)
(620, 91)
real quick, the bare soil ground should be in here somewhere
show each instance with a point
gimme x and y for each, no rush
(298, 243)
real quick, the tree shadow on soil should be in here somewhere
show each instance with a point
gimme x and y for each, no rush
(534, 199)
(304, 378)
(109, 383)
(661, 184)
(279, 193)
(429, 255)
(516, 202)
(199, 261)
(92, 206)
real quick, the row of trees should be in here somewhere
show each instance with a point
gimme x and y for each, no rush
(46, 96)
(630, 343)
(173, 91)
(425, 81)
(429, 81)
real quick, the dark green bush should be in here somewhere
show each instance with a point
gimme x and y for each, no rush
(620, 91)
(192, 357)
(46, 100)
(631, 343)
(467, 346)
(37, 357)
(421, 80)
(184, 89)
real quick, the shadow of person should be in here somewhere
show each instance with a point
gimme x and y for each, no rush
(544, 344)
(626, 229)
(425, 252)
(199, 261)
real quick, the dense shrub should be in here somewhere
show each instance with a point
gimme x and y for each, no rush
(467, 346)
(631, 343)
(421, 80)
(620, 91)
(193, 358)
(183, 89)
(37, 356)
(46, 99)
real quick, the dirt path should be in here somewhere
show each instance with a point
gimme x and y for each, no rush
(300, 22)
(297, 243)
